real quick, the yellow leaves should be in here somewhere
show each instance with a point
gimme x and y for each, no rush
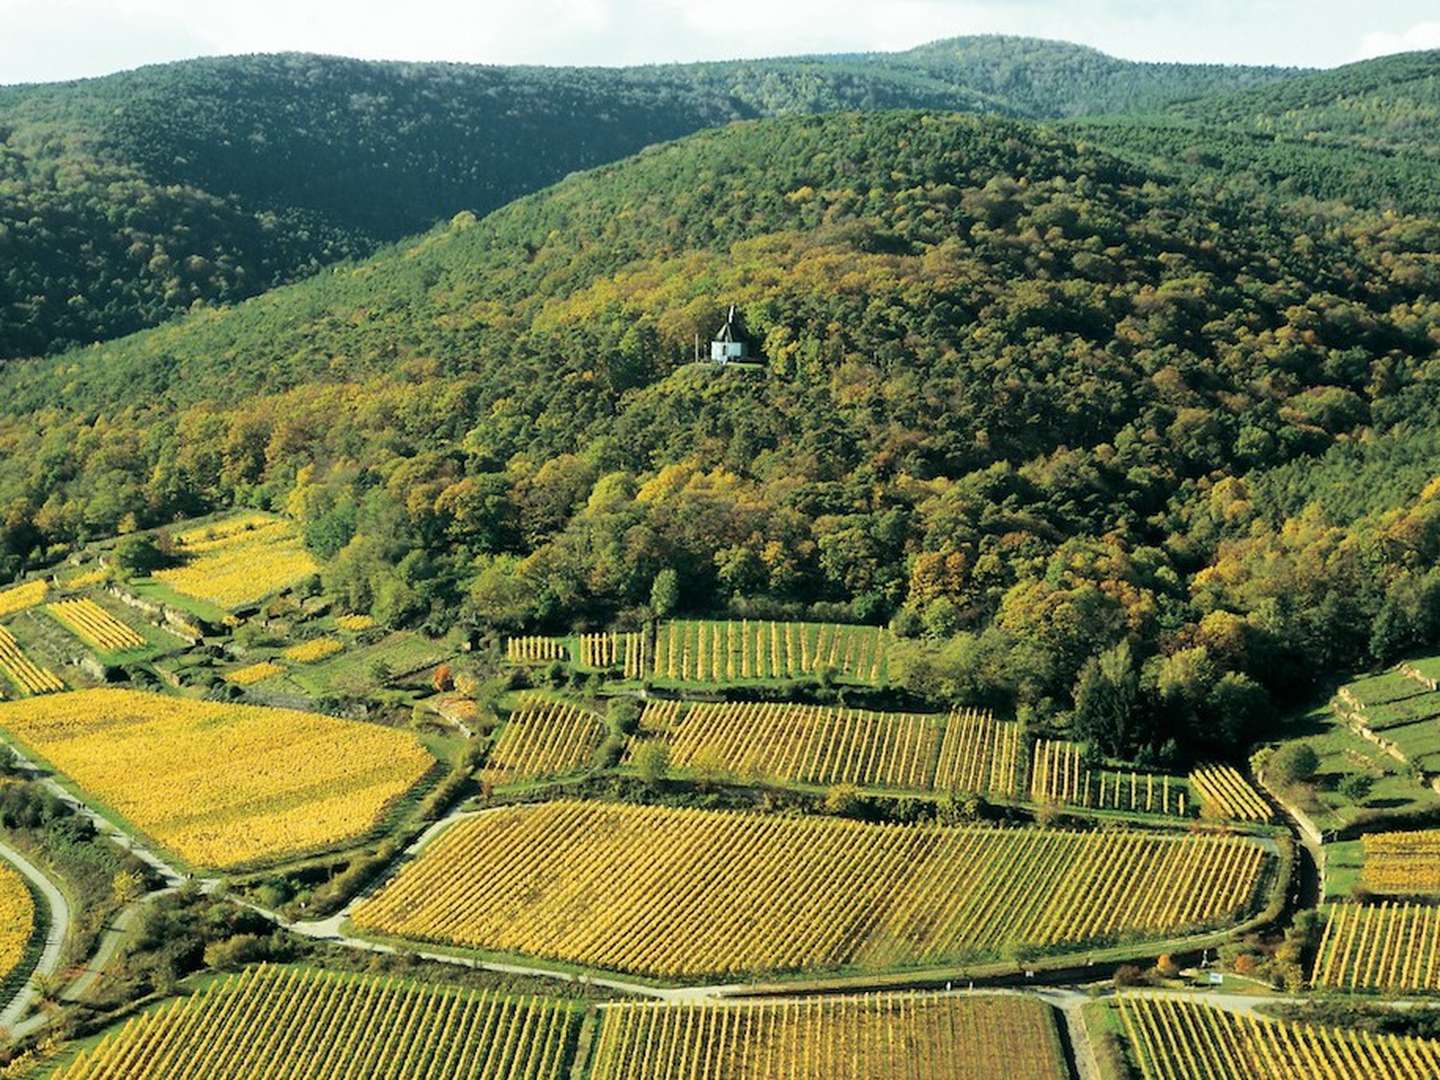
(354, 623)
(239, 561)
(23, 596)
(222, 785)
(254, 673)
(95, 626)
(17, 918)
(312, 652)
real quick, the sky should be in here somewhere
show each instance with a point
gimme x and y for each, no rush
(45, 40)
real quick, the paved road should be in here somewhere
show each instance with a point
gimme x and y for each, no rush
(57, 929)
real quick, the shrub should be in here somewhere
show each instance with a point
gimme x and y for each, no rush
(1293, 764)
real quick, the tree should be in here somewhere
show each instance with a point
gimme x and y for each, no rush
(140, 555)
(1295, 763)
(652, 761)
(665, 593)
(1105, 700)
(1356, 787)
(128, 886)
(841, 800)
(623, 715)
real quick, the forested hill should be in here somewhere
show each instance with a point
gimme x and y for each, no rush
(1366, 133)
(131, 198)
(1022, 397)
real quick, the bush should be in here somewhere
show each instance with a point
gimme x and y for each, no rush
(623, 714)
(1128, 975)
(652, 761)
(1356, 787)
(1296, 763)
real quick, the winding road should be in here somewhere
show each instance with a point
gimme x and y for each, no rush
(56, 930)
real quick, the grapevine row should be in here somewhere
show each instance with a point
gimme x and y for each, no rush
(26, 674)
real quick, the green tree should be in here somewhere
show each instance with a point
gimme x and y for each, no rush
(665, 593)
(652, 761)
(1294, 763)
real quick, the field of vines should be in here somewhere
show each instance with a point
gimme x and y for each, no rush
(17, 918)
(690, 893)
(95, 626)
(979, 755)
(716, 653)
(290, 1022)
(239, 561)
(896, 1036)
(536, 650)
(1059, 775)
(1387, 946)
(809, 744)
(1224, 793)
(1175, 1039)
(24, 672)
(1402, 863)
(19, 597)
(251, 674)
(544, 737)
(314, 650)
(625, 651)
(221, 785)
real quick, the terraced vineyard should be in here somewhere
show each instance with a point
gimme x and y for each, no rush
(239, 561)
(95, 626)
(1175, 1039)
(919, 1036)
(1386, 946)
(716, 653)
(536, 650)
(314, 650)
(19, 597)
(625, 651)
(17, 919)
(1059, 775)
(980, 755)
(22, 671)
(323, 1026)
(688, 893)
(1224, 793)
(544, 737)
(251, 674)
(1402, 863)
(808, 744)
(221, 785)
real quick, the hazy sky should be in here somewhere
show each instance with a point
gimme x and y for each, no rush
(55, 39)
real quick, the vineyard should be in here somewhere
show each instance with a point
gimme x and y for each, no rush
(251, 674)
(354, 624)
(277, 1022)
(536, 650)
(1059, 775)
(239, 561)
(625, 651)
(17, 918)
(702, 651)
(22, 671)
(1175, 1039)
(686, 893)
(222, 785)
(1402, 863)
(313, 651)
(808, 744)
(1224, 793)
(979, 755)
(544, 737)
(95, 626)
(1387, 946)
(20, 597)
(904, 1036)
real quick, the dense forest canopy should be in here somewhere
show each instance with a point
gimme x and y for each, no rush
(1057, 417)
(130, 199)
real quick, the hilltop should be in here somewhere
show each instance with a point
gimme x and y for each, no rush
(1018, 391)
